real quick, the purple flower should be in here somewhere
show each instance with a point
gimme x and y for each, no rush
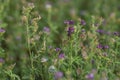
(100, 31)
(82, 22)
(61, 55)
(46, 29)
(90, 76)
(57, 49)
(1, 60)
(70, 22)
(83, 30)
(70, 31)
(100, 46)
(106, 47)
(116, 33)
(58, 75)
(2, 30)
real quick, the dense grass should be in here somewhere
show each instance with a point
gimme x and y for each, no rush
(59, 40)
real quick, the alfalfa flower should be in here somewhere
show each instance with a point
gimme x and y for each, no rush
(61, 56)
(44, 59)
(90, 76)
(58, 75)
(52, 69)
(70, 31)
(57, 49)
(46, 30)
(116, 33)
(2, 30)
(100, 46)
(1, 60)
(82, 22)
(70, 22)
(100, 31)
(106, 47)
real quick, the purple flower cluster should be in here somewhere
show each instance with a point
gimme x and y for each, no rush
(70, 30)
(70, 22)
(57, 49)
(61, 56)
(1, 60)
(82, 22)
(46, 30)
(100, 31)
(58, 75)
(100, 46)
(2, 30)
(108, 32)
(90, 76)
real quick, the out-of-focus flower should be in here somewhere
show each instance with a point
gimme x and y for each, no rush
(105, 54)
(106, 47)
(58, 75)
(44, 59)
(61, 55)
(100, 46)
(48, 5)
(1, 60)
(52, 69)
(116, 33)
(70, 30)
(100, 31)
(83, 30)
(82, 22)
(2, 30)
(46, 30)
(70, 22)
(57, 49)
(90, 76)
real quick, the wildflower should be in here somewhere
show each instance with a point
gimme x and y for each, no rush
(116, 33)
(52, 69)
(44, 59)
(48, 5)
(83, 30)
(90, 76)
(104, 54)
(99, 46)
(70, 31)
(1, 60)
(100, 31)
(58, 75)
(57, 49)
(46, 30)
(70, 22)
(82, 22)
(61, 55)
(106, 47)
(2, 30)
